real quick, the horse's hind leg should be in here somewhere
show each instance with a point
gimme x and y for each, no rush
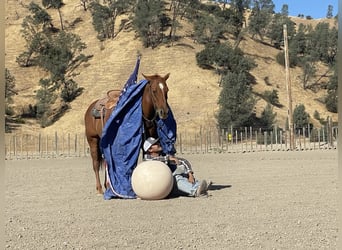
(97, 159)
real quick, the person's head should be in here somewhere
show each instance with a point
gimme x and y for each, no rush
(151, 145)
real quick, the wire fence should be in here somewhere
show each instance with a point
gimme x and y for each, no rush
(206, 140)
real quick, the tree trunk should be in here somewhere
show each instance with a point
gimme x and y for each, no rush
(60, 18)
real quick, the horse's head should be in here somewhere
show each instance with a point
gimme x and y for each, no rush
(157, 91)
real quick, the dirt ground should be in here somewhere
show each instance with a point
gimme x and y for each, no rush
(261, 200)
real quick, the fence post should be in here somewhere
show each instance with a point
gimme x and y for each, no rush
(309, 135)
(281, 139)
(265, 140)
(201, 136)
(69, 144)
(25, 141)
(329, 133)
(285, 140)
(84, 146)
(209, 139)
(56, 144)
(256, 139)
(75, 144)
(241, 141)
(47, 145)
(21, 146)
(251, 137)
(15, 146)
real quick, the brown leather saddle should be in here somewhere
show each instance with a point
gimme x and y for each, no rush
(106, 103)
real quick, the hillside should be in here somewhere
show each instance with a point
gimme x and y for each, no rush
(193, 91)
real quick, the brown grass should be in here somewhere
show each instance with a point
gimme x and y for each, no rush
(193, 91)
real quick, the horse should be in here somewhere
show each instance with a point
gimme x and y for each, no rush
(154, 104)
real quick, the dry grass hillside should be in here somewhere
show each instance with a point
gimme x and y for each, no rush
(193, 91)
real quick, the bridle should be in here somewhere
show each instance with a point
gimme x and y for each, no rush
(154, 106)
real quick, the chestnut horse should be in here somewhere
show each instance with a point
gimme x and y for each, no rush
(154, 103)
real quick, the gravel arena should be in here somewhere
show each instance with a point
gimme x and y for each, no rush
(258, 200)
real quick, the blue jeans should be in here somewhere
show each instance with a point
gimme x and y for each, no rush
(185, 186)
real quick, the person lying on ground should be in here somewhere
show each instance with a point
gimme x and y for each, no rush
(181, 169)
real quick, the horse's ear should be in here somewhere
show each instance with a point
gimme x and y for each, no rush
(166, 76)
(148, 78)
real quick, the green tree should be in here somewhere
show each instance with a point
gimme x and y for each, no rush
(237, 19)
(321, 43)
(280, 58)
(332, 46)
(59, 53)
(330, 11)
(272, 97)
(46, 97)
(260, 18)
(275, 29)
(55, 4)
(178, 9)
(224, 59)
(299, 41)
(35, 28)
(317, 116)
(300, 117)
(104, 17)
(70, 90)
(267, 118)
(9, 92)
(331, 101)
(236, 101)
(147, 22)
(9, 86)
(39, 20)
(285, 10)
(61, 57)
(309, 70)
(208, 29)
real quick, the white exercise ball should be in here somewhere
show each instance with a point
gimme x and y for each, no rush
(152, 180)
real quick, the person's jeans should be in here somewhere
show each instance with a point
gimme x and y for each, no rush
(185, 186)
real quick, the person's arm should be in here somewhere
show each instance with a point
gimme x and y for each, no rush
(187, 166)
(173, 159)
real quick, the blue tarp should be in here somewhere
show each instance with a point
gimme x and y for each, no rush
(167, 132)
(122, 138)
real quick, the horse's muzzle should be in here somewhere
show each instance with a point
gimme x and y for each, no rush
(162, 113)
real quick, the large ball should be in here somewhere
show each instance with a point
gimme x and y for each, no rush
(152, 180)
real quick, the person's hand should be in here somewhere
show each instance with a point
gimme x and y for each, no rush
(191, 178)
(174, 159)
